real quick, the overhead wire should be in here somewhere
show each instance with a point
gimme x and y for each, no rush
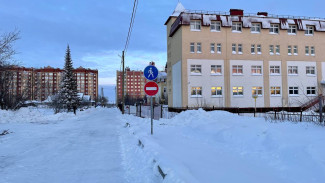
(135, 6)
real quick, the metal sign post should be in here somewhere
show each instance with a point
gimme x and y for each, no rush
(151, 115)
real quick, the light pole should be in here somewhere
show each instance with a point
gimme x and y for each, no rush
(255, 97)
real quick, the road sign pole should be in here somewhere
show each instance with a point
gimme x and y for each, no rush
(151, 115)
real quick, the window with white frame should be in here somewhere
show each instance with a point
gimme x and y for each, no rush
(311, 90)
(295, 50)
(256, 69)
(292, 29)
(236, 26)
(192, 49)
(259, 49)
(237, 69)
(240, 49)
(310, 70)
(216, 70)
(293, 90)
(277, 49)
(289, 50)
(234, 48)
(312, 50)
(257, 90)
(196, 91)
(218, 48)
(292, 70)
(253, 49)
(237, 91)
(216, 91)
(307, 50)
(256, 28)
(195, 25)
(271, 50)
(275, 91)
(196, 69)
(309, 30)
(198, 48)
(274, 29)
(215, 26)
(275, 70)
(212, 45)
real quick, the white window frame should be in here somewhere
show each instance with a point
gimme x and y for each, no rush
(271, 50)
(309, 30)
(259, 49)
(289, 50)
(311, 90)
(216, 91)
(275, 91)
(256, 70)
(237, 91)
(310, 70)
(196, 69)
(277, 49)
(198, 47)
(294, 90)
(256, 28)
(295, 50)
(192, 47)
(236, 27)
(212, 47)
(292, 70)
(274, 29)
(196, 91)
(219, 50)
(312, 51)
(234, 48)
(275, 70)
(216, 70)
(307, 50)
(253, 49)
(257, 90)
(195, 25)
(239, 70)
(240, 49)
(292, 30)
(215, 26)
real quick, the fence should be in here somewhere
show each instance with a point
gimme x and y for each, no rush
(294, 117)
(144, 111)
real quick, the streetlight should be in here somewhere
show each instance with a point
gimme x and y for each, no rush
(255, 97)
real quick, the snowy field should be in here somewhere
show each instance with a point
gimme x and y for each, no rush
(194, 146)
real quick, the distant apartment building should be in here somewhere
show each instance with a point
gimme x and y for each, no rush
(38, 84)
(224, 59)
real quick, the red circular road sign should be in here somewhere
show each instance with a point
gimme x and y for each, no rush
(151, 88)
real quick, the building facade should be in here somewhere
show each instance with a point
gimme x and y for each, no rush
(224, 59)
(38, 84)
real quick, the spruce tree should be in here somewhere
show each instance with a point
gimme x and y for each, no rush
(68, 94)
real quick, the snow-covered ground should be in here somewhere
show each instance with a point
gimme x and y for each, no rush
(194, 146)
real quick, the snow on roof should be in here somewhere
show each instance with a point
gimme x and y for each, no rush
(179, 8)
(86, 97)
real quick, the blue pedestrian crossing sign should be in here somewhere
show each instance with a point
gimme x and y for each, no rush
(150, 72)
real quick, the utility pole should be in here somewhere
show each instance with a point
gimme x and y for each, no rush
(123, 82)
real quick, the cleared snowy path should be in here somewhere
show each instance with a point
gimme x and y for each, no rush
(79, 149)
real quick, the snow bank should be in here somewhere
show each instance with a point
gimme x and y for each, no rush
(199, 146)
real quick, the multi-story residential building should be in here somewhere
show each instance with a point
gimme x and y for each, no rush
(38, 84)
(223, 59)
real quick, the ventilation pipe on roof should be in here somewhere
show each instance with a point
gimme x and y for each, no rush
(236, 12)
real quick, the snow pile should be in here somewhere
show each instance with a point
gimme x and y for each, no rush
(199, 146)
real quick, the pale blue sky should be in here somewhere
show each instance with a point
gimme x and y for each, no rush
(96, 29)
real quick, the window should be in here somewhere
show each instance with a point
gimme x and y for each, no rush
(292, 29)
(196, 69)
(216, 70)
(196, 91)
(295, 50)
(256, 70)
(256, 28)
(293, 90)
(309, 30)
(240, 49)
(216, 91)
(271, 50)
(257, 90)
(310, 70)
(195, 25)
(192, 50)
(237, 91)
(253, 49)
(307, 50)
(311, 90)
(218, 48)
(289, 50)
(312, 50)
(275, 91)
(275, 70)
(212, 47)
(274, 29)
(259, 49)
(293, 70)
(215, 26)
(237, 69)
(236, 26)
(277, 49)
(198, 48)
(233, 48)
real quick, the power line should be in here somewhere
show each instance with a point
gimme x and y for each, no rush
(135, 6)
